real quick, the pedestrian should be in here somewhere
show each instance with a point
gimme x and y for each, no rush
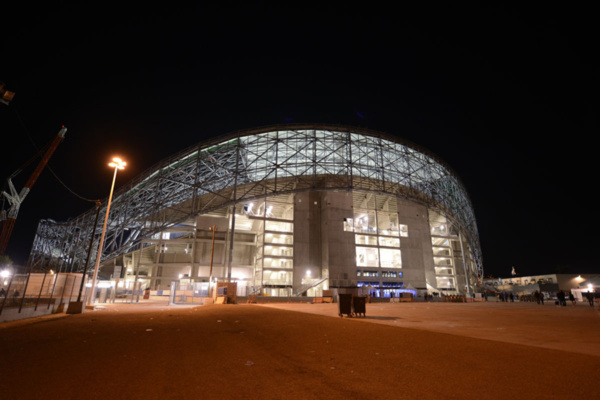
(2, 292)
(572, 298)
(560, 296)
(590, 297)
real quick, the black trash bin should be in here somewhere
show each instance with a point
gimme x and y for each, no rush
(359, 303)
(345, 304)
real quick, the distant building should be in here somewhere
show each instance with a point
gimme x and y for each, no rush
(548, 283)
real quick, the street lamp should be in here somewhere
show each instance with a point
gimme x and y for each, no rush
(212, 252)
(117, 164)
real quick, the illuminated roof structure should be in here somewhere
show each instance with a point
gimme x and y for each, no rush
(277, 168)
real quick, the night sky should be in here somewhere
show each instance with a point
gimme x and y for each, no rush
(506, 96)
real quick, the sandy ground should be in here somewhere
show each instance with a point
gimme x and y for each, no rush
(305, 351)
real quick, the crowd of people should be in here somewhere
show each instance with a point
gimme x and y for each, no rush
(562, 297)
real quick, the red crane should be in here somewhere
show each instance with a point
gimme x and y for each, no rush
(7, 220)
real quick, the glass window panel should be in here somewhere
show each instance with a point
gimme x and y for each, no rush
(441, 251)
(403, 230)
(277, 278)
(365, 222)
(373, 274)
(366, 240)
(445, 282)
(349, 224)
(442, 261)
(443, 271)
(389, 241)
(279, 226)
(390, 258)
(277, 250)
(366, 257)
(436, 241)
(440, 230)
(387, 223)
(279, 238)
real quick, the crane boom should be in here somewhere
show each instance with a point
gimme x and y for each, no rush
(7, 220)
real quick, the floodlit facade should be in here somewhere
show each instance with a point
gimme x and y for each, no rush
(294, 210)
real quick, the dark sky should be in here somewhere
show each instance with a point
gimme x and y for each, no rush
(506, 96)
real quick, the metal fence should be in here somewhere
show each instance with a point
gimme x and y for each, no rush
(39, 290)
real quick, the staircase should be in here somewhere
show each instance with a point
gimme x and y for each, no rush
(311, 285)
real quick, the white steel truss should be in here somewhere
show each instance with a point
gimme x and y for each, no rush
(252, 164)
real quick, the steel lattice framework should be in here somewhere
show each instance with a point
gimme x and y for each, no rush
(252, 164)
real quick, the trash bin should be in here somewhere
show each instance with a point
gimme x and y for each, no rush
(345, 304)
(360, 307)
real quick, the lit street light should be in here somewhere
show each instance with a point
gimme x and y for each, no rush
(117, 164)
(212, 251)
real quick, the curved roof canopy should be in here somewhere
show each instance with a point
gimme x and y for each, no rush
(262, 162)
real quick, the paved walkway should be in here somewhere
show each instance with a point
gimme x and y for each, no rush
(304, 351)
(571, 328)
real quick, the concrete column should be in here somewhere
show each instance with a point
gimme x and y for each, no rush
(417, 254)
(339, 254)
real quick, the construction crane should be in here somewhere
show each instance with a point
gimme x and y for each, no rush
(7, 220)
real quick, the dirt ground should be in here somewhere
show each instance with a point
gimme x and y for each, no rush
(305, 351)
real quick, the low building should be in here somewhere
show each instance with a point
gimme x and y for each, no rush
(547, 283)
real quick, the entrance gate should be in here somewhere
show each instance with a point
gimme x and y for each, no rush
(189, 293)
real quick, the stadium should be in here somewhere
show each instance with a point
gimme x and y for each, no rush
(283, 211)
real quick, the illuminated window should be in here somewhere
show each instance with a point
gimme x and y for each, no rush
(364, 221)
(368, 240)
(390, 258)
(445, 283)
(385, 241)
(404, 230)
(367, 257)
(387, 223)
(376, 224)
(276, 226)
(372, 274)
(348, 224)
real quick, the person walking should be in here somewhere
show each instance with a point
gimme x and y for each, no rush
(572, 298)
(561, 298)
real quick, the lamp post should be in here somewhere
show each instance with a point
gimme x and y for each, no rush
(212, 251)
(117, 164)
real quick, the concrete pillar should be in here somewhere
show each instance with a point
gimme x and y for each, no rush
(339, 255)
(417, 254)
